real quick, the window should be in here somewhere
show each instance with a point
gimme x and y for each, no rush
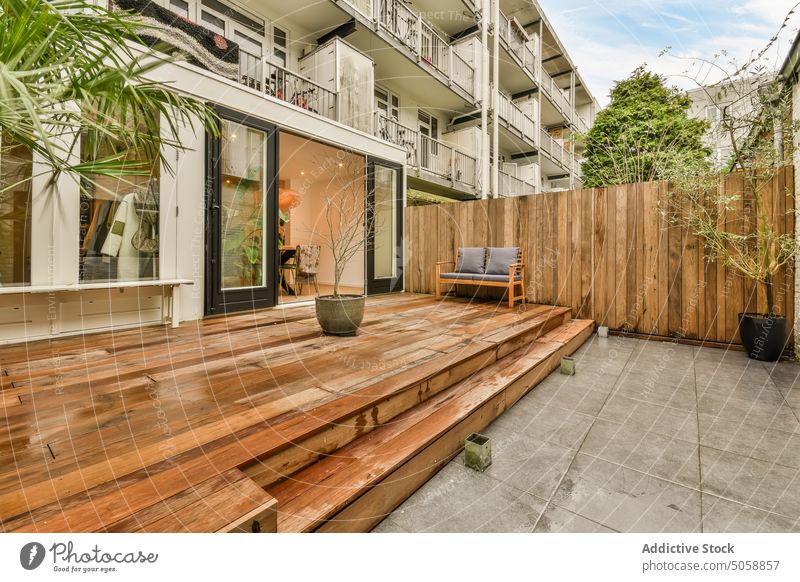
(179, 7)
(428, 125)
(280, 43)
(119, 222)
(16, 166)
(387, 103)
(712, 113)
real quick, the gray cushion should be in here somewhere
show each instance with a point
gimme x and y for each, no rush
(500, 258)
(479, 277)
(501, 278)
(471, 260)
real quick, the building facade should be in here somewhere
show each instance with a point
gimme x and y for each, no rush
(448, 98)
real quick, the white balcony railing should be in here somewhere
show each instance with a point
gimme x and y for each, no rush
(434, 49)
(556, 94)
(463, 73)
(426, 153)
(397, 18)
(287, 86)
(417, 35)
(512, 186)
(580, 125)
(516, 119)
(555, 150)
(516, 43)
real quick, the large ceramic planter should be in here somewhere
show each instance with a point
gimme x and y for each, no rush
(763, 336)
(340, 315)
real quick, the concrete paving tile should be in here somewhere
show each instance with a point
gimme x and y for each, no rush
(550, 423)
(627, 500)
(669, 422)
(753, 411)
(531, 465)
(758, 442)
(626, 444)
(558, 520)
(570, 396)
(648, 377)
(725, 516)
(388, 525)
(750, 481)
(659, 394)
(458, 499)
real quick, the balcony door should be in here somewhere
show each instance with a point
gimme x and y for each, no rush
(429, 133)
(241, 201)
(385, 238)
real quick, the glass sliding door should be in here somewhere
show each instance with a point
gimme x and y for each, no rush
(240, 247)
(385, 238)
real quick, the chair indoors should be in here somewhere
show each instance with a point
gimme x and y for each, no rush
(306, 267)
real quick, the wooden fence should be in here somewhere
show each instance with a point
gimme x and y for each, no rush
(608, 254)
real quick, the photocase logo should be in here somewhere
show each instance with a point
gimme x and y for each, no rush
(31, 555)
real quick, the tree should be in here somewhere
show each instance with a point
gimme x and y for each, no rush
(644, 126)
(71, 77)
(755, 121)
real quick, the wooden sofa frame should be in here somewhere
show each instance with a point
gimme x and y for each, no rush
(514, 269)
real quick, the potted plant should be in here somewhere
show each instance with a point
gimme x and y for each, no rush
(350, 223)
(738, 231)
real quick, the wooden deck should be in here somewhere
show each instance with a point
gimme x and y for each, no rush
(196, 428)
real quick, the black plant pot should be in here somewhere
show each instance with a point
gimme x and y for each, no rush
(763, 336)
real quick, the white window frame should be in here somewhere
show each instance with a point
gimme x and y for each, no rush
(389, 107)
(273, 58)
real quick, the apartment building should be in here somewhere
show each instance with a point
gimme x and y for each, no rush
(710, 104)
(441, 97)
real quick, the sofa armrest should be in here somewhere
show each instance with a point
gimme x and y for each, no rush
(446, 263)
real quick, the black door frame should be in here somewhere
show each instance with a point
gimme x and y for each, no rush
(218, 301)
(377, 286)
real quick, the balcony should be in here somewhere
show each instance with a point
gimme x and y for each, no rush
(580, 125)
(515, 40)
(511, 186)
(283, 84)
(516, 120)
(428, 154)
(398, 21)
(554, 150)
(556, 95)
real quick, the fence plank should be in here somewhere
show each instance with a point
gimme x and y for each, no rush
(609, 255)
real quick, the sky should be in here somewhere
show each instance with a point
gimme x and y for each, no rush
(607, 39)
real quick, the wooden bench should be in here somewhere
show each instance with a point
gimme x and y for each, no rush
(167, 295)
(514, 279)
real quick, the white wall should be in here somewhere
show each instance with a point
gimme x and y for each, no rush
(56, 224)
(309, 226)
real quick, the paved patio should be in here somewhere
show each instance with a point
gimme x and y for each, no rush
(646, 437)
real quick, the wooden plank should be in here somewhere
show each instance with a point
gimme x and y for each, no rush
(387, 493)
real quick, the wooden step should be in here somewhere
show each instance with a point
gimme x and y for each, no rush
(353, 489)
(228, 502)
(330, 427)
(265, 443)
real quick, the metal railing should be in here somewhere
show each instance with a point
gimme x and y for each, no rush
(516, 43)
(365, 7)
(512, 186)
(555, 150)
(516, 119)
(283, 84)
(557, 95)
(433, 49)
(426, 153)
(416, 34)
(465, 168)
(580, 125)
(463, 73)
(400, 21)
